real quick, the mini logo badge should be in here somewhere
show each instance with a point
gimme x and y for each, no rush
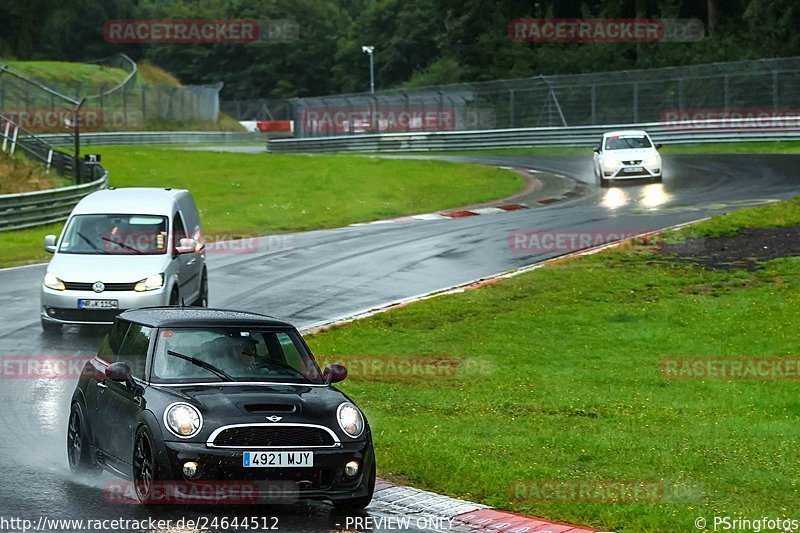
(273, 418)
(98, 286)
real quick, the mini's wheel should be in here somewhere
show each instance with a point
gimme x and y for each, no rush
(145, 469)
(78, 453)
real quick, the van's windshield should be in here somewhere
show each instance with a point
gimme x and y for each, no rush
(115, 235)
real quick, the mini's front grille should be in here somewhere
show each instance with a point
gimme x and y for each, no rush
(77, 286)
(273, 436)
(632, 162)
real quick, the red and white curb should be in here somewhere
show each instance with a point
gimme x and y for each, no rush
(445, 215)
(434, 512)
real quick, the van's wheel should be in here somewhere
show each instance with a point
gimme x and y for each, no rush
(202, 300)
(51, 327)
(78, 453)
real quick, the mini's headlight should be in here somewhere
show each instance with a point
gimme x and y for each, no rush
(183, 420)
(350, 419)
(151, 283)
(52, 282)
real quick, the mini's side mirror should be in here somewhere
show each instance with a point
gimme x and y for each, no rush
(334, 373)
(50, 243)
(186, 246)
(118, 372)
(658, 146)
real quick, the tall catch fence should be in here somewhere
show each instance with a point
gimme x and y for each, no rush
(710, 91)
(115, 97)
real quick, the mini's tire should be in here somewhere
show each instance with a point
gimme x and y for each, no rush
(145, 468)
(79, 455)
(358, 504)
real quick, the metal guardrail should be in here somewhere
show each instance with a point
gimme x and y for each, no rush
(26, 210)
(143, 138)
(717, 130)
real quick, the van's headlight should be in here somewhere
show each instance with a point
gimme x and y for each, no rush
(156, 281)
(52, 282)
(350, 419)
(183, 420)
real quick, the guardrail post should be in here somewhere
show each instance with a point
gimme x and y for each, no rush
(5, 135)
(49, 160)
(14, 140)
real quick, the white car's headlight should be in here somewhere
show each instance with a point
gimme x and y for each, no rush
(350, 419)
(183, 420)
(151, 283)
(52, 282)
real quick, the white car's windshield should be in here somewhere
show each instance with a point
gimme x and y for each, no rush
(627, 142)
(115, 235)
(183, 355)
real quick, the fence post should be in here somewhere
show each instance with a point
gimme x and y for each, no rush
(594, 103)
(5, 135)
(144, 102)
(511, 108)
(726, 91)
(635, 101)
(14, 140)
(775, 102)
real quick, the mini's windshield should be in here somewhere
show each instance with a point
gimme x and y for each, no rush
(194, 355)
(626, 143)
(115, 235)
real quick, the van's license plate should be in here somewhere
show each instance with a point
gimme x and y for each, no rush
(277, 459)
(98, 304)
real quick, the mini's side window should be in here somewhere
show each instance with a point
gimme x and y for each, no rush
(109, 349)
(134, 349)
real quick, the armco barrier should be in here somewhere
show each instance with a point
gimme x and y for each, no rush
(37, 208)
(719, 130)
(156, 137)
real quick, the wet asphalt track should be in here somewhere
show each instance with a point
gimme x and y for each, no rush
(314, 276)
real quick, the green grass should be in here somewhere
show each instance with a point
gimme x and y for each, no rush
(569, 388)
(763, 147)
(268, 194)
(64, 72)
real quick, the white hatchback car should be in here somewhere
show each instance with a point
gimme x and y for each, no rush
(628, 154)
(122, 249)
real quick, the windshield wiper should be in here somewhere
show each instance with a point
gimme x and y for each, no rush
(202, 364)
(89, 241)
(131, 248)
(287, 366)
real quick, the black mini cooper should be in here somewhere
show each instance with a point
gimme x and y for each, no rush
(192, 397)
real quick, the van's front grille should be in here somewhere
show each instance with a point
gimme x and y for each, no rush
(116, 287)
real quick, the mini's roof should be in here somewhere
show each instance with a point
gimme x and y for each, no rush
(173, 316)
(621, 133)
(133, 200)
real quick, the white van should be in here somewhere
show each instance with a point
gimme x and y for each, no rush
(123, 249)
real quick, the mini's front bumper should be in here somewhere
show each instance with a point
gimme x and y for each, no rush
(223, 478)
(61, 307)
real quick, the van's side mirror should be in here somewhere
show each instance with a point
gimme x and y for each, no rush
(186, 246)
(596, 149)
(658, 146)
(334, 373)
(50, 243)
